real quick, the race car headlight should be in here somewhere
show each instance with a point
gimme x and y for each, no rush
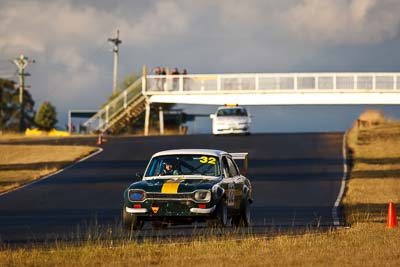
(136, 195)
(202, 195)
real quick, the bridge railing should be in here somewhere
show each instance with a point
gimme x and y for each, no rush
(100, 121)
(287, 82)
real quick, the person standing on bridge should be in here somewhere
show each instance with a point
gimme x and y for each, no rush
(184, 79)
(157, 71)
(175, 80)
(163, 80)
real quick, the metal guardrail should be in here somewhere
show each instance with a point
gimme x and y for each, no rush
(103, 119)
(273, 83)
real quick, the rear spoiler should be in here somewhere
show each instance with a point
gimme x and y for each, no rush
(242, 156)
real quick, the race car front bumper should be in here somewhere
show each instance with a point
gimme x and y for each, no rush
(192, 210)
(203, 211)
(133, 210)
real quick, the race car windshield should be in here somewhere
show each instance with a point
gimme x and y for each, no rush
(203, 165)
(232, 112)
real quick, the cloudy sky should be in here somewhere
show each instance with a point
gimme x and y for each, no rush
(73, 69)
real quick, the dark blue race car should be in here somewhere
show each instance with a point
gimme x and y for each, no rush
(187, 185)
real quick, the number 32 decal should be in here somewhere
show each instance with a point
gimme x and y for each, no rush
(209, 160)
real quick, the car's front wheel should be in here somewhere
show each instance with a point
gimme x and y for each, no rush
(243, 219)
(221, 215)
(131, 221)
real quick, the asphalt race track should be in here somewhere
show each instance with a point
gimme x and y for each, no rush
(296, 179)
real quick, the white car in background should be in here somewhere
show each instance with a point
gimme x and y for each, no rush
(231, 119)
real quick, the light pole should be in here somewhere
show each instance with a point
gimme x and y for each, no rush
(22, 62)
(116, 42)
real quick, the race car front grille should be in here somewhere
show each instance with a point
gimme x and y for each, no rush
(170, 196)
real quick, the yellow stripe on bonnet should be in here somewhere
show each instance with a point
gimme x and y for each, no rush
(170, 186)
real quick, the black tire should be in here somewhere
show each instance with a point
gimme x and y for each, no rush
(131, 221)
(243, 219)
(220, 218)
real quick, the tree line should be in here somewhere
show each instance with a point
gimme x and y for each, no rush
(11, 111)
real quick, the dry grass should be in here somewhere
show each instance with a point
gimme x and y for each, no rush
(375, 175)
(364, 191)
(5, 136)
(364, 245)
(21, 164)
(11, 137)
(15, 136)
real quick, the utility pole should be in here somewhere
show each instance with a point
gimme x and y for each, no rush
(116, 41)
(22, 62)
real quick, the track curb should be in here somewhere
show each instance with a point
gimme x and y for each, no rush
(335, 216)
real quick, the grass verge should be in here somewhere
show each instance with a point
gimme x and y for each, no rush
(375, 173)
(21, 164)
(366, 245)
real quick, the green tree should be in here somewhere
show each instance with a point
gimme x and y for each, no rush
(10, 109)
(6, 105)
(46, 116)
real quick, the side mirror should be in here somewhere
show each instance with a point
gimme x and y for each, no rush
(139, 176)
(212, 116)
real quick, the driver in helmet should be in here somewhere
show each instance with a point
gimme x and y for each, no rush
(169, 168)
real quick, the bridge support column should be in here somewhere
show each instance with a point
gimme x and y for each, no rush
(69, 122)
(161, 119)
(147, 118)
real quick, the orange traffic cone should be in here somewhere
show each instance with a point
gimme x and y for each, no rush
(99, 140)
(391, 218)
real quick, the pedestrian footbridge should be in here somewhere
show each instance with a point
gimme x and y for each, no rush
(275, 88)
(247, 89)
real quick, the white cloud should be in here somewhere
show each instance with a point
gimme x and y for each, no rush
(69, 42)
(343, 21)
(47, 27)
(56, 26)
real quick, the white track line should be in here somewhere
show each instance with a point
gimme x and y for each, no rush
(336, 220)
(99, 150)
